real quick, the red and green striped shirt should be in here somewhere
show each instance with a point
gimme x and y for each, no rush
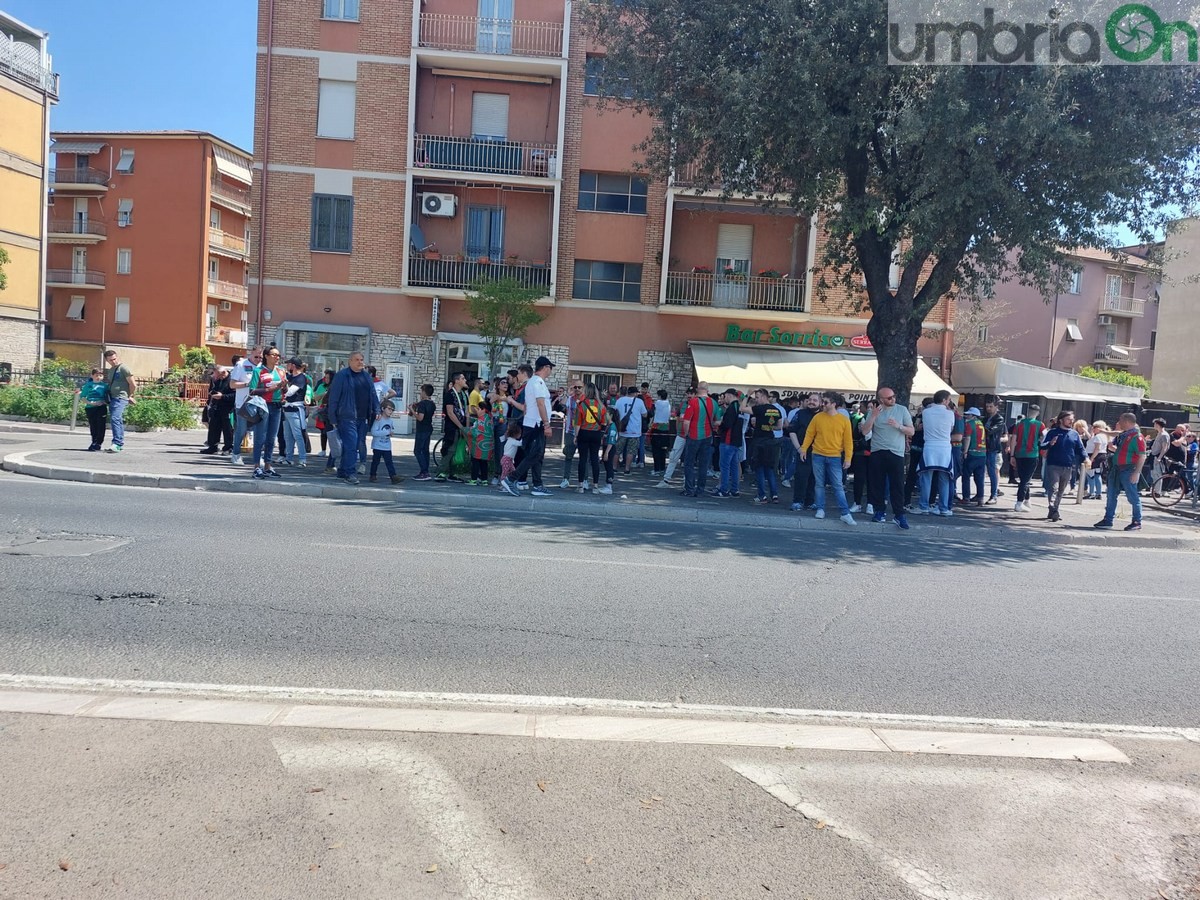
(1027, 438)
(1131, 448)
(974, 438)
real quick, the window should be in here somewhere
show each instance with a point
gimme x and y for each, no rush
(124, 213)
(601, 379)
(485, 232)
(598, 81)
(612, 193)
(489, 117)
(607, 281)
(1073, 332)
(125, 163)
(122, 315)
(1113, 285)
(1153, 339)
(981, 334)
(124, 261)
(214, 218)
(331, 221)
(346, 10)
(1074, 282)
(214, 269)
(335, 109)
(75, 309)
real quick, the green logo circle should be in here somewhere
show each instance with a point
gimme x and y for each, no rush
(1133, 32)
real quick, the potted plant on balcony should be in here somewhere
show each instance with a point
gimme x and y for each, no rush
(770, 273)
(732, 275)
(433, 253)
(483, 260)
(701, 270)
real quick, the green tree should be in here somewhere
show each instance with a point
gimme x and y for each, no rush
(501, 310)
(3, 263)
(952, 166)
(1117, 376)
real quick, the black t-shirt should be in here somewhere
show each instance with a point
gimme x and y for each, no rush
(427, 411)
(455, 400)
(730, 429)
(767, 418)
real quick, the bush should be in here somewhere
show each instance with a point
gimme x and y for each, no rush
(159, 406)
(47, 397)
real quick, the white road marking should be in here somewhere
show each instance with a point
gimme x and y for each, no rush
(1098, 596)
(510, 557)
(592, 704)
(486, 872)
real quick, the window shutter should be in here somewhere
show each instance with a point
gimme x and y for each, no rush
(335, 109)
(489, 116)
(125, 164)
(734, 241)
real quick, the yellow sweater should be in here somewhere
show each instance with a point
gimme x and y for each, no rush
(829, 435)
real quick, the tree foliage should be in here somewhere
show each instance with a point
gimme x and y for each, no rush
(1117, 376)
(501, 310)
(954, 165)
(3, 263)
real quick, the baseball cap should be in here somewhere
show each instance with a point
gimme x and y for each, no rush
(973, 411)
(542, 362)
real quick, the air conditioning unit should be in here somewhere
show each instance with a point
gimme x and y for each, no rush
(226, 306)
(1106, 320)
(935, 363)
(442, 205)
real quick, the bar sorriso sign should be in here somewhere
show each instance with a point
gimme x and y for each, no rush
(736, 334)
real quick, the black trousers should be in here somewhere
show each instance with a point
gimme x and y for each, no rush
(858, 467)
(910, 480)
(97, 417)
(220, 429)
(803, 486)
(883, 465)
(587, 447)
(660, 446)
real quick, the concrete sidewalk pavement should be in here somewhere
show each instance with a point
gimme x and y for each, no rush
(172, 460)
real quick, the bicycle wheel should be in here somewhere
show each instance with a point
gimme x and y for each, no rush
(435, 454)
(1168, 490)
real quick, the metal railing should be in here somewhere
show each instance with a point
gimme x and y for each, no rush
(1129, 306)
(219, 238)
(1108, 353)
(223, 334)
(228, 290)
(783, 294)
(504, 37)
(70, 276)
(228, 192)
(24, 63)
(72, 226)
(461, 154)
(79, 176)
(460, 274)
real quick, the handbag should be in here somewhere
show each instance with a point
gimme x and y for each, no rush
(253, 410)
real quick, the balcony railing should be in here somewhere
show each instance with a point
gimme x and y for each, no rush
(241, 196)
(90, 176)
(504, 37)
(72, 226)
(460, 154)
(460, 274)
(226, 241)
(1108, 353)
(735, 291)
(90, 277)
(24, 63)
(228, 290)
(222, 334)
(1122, 306)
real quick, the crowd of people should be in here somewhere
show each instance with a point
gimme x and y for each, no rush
(869, 456)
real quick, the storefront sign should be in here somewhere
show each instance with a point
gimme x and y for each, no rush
(861, 342)
(736, 334)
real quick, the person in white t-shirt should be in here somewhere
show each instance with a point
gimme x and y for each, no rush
(535, 431)
(630, 435)
(936, 460)
(239, 379)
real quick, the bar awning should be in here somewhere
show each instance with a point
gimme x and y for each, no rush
(1009, 378)
(791, 371)
(232, 166)
(87, 148)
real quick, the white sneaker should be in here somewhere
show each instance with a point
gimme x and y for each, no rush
(870, 510)
(237, 460)
(664, 484)
(820, 514)
(855, 508)
(495, 481)
(522, 485)
(947, 513)
(787, 482)
(848, 519)
(1019, 507)
(564, 484)
(606, 489)
(584, 487)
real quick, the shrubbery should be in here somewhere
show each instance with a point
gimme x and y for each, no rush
(159, 406)
(47, 396)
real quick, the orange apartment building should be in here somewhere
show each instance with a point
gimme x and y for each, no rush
(404, 149)
(149, 246)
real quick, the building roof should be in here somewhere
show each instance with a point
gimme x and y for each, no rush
(1121, 257)
(160, 133)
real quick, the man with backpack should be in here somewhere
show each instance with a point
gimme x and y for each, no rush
(631, 410)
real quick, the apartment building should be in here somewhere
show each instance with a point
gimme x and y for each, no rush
(1106, 317)
(1176, 366)
(405, 149)
(149, 246)
(28, 88)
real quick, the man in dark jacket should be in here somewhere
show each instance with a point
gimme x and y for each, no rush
(220, 411)
(996, 430)
(803, 485)
(353, 406)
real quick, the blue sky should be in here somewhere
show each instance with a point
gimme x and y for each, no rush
(150, 64)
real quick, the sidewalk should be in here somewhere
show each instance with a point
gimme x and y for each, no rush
(171, 460)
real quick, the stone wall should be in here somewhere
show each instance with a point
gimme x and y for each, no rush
(19, 343)
(672, 371)
(557, 354)
(416, 350)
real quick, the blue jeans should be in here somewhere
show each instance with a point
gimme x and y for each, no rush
(926, 478)
(116, 419)
(421, 451)
(973, 467)
(239, 433)
(1122, 480)
(348, 430)
(993, 472)
(731, 469)
(828, 470)
(264, 435)
(696, 456)
(293, 434)
(787, 459)
(1095, 484)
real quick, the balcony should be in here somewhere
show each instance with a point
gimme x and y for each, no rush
(90, 278)
(227, 290)
(1122, 306)
(455, 274)
(460, 154)
(225, 336)
(227, 244)
(23, 62)
(1111, 356)
(782, 294)
(235, 198)
(79, 180)
(500, 37)
(76, 231)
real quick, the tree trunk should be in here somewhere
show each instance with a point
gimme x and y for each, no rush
(894, 336)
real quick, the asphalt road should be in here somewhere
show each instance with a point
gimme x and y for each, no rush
(179, 586)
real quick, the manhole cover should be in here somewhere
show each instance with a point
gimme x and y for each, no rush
(59, 544)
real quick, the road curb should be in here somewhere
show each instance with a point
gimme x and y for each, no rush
(21, 464)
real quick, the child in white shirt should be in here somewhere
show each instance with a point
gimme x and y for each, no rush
(381, 443)
(512, 443)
